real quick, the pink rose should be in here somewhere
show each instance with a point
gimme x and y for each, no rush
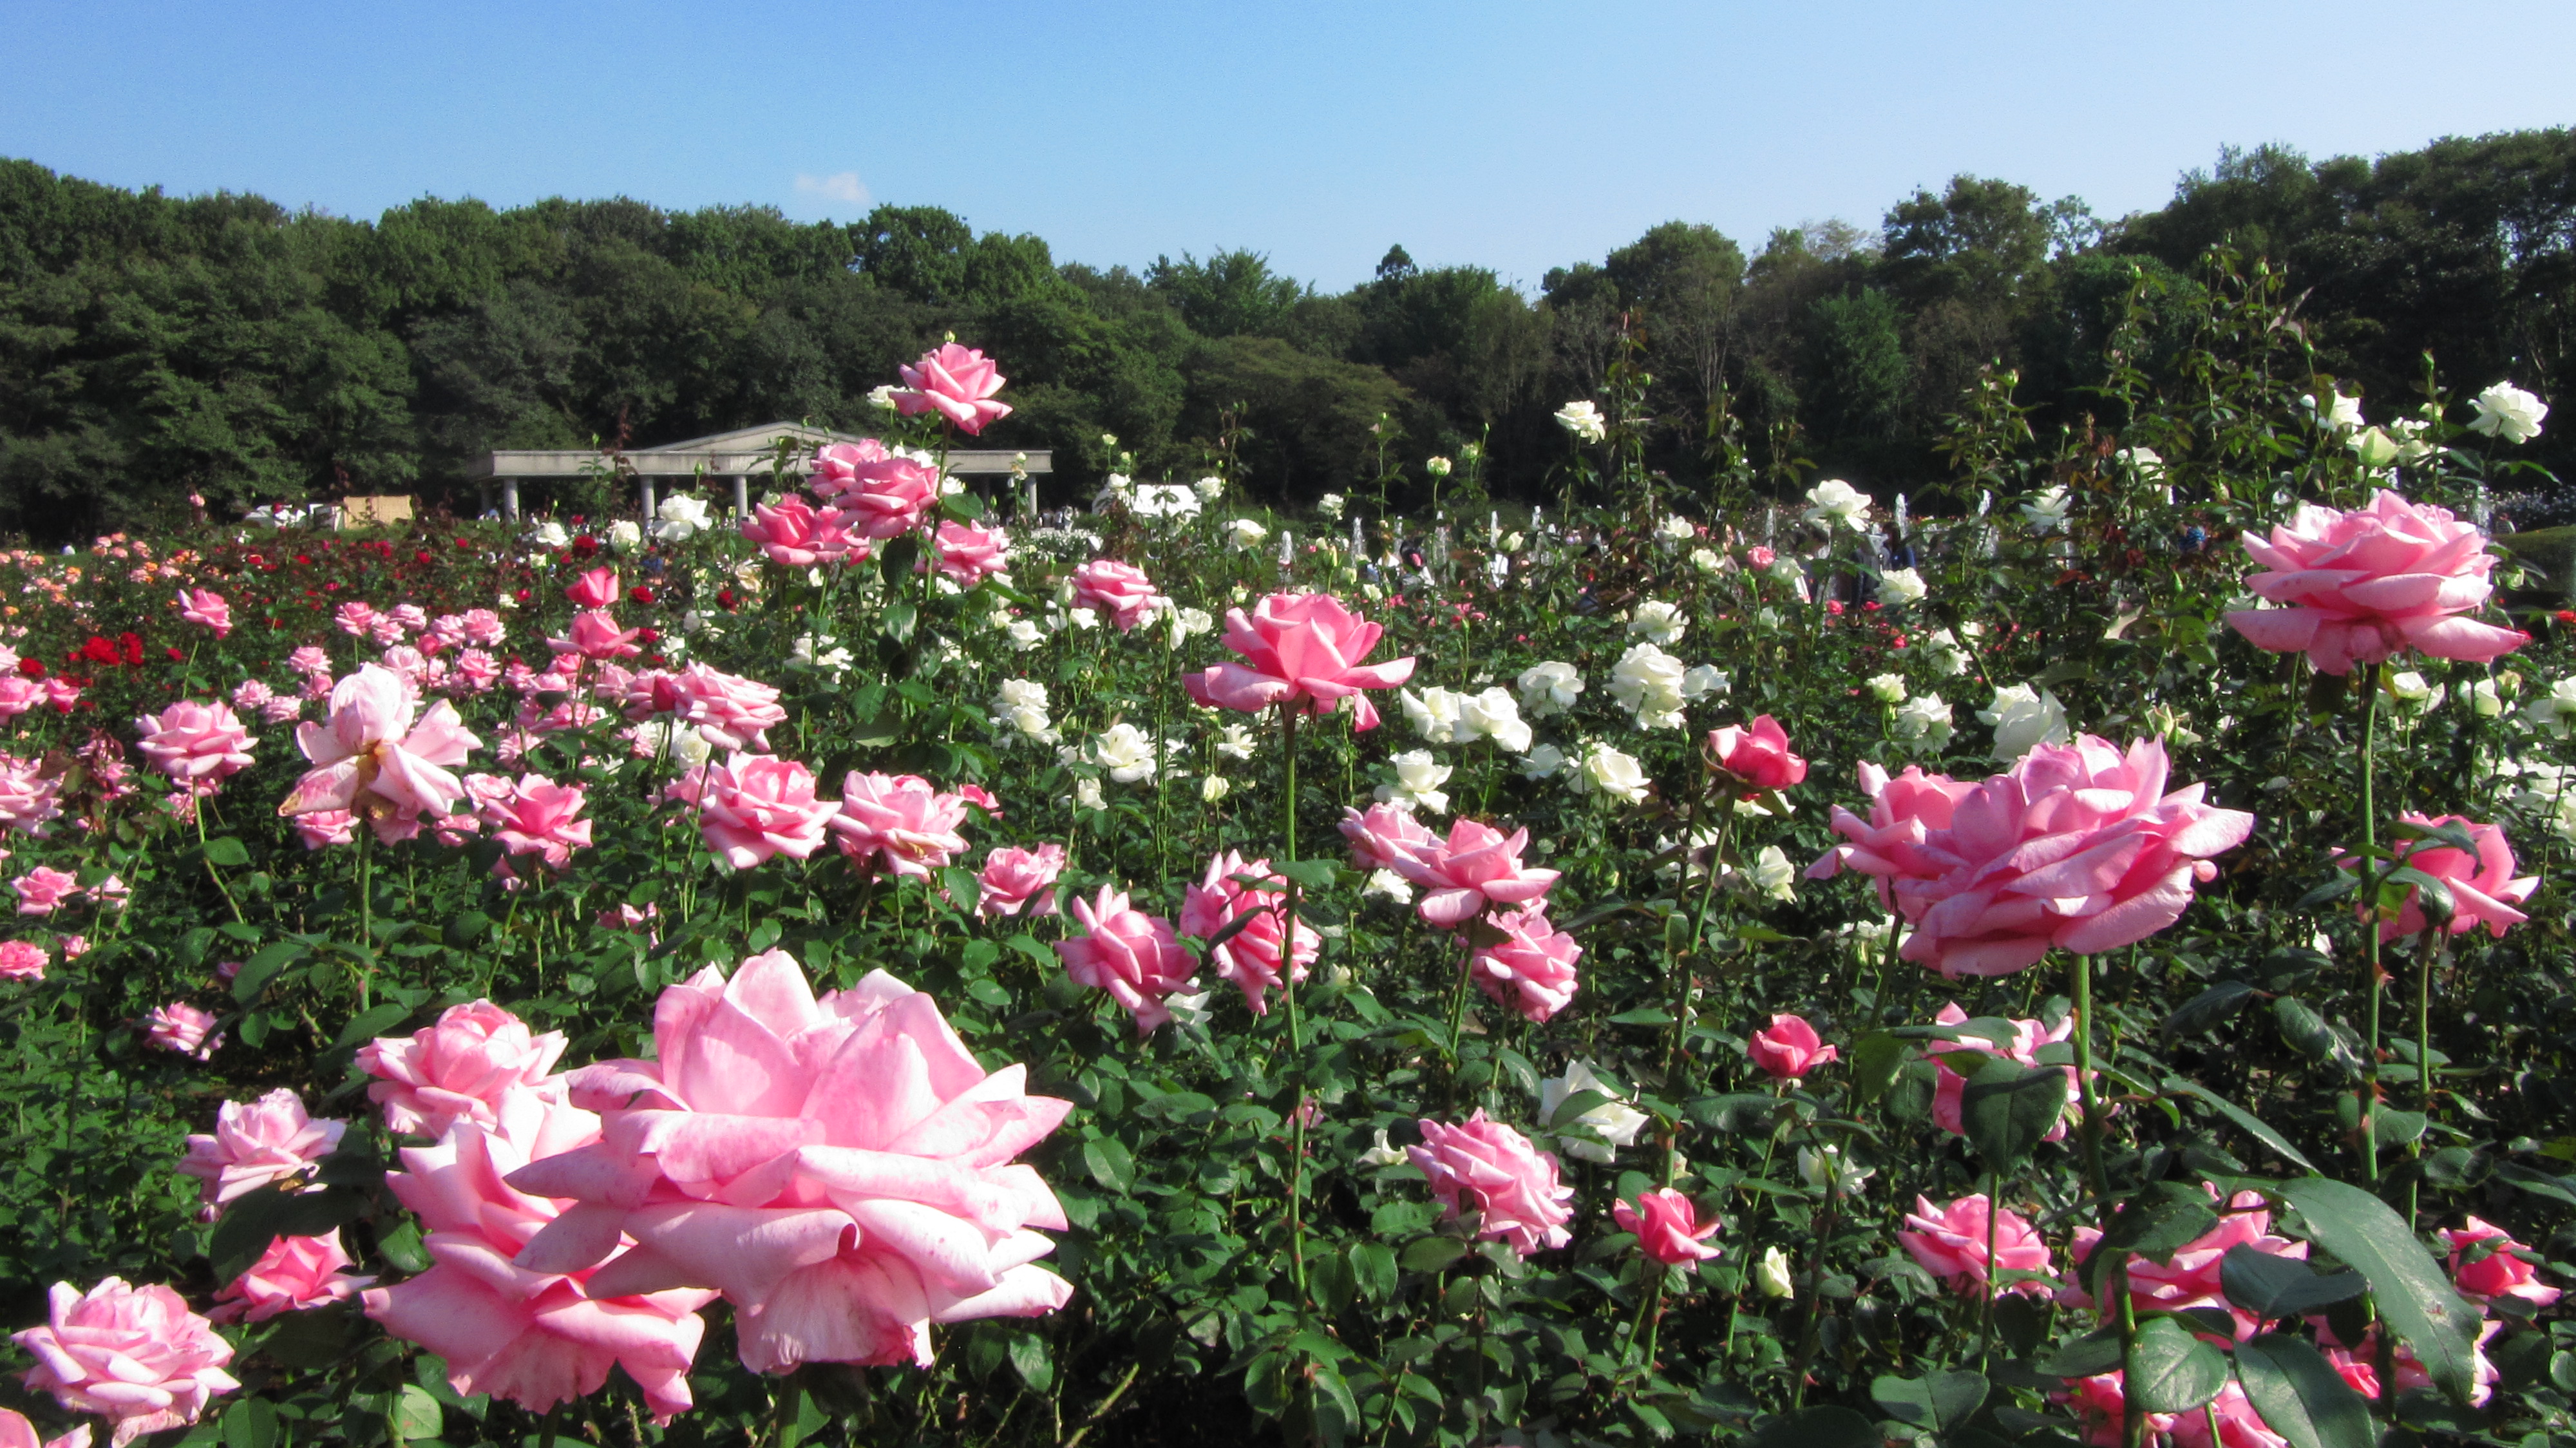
(294, 1273)
(371, 759)
(2500, 1273)
(536, 816)
(797, 534)
(595, 635)
(2101, 1404)
(207, 608)
(196, 744)
(836, 466)
(595, 589)
(1475, 867)
(177, 1026)
(458, 1069)
(308, 659)
(28, 796)
(43, 888)
(1903, 813)
(1120, 590)
(1384, 833)
(325, 827)
(410, 617)
(956, 382)
(2190, 1277)
(528, 1334)
(883, 496)
(1128, 953)
(1301, 651)
(17, 1432)
(2077, 846)
(1949, 1088)
(969, 554)
(840, 1169)
(21, 961)
(728, 711)
(258, 1142)
(1531, 969)
(899, 820)
(2364, 585)
(1014, 877)
(2483, 887)
(1668, 1227)
(1249, 959)
(76, 946)
(1757, 753)
(2239, 1425)
(754, 806)
(62, 694)
(18, 694)
(1488, 1168)
(1950, 1243)
(483, 626)
(135, 1356)
(1789, 1050)
(1759, 556)
(355, 619)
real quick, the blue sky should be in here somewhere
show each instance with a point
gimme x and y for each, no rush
(1513, 135)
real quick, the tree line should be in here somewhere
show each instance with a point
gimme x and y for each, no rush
(152, 346)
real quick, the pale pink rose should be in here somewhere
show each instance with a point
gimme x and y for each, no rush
(258, 1142)
(1950, 1243)
(371, 759)
(18, 694)
(413, 665)
(835, 468)
(2484, 890)
(2190, 1277)
(62, 693)
(2360, 1371)
(1014, 877)
(206, 607)
(253, 694)
(536, 816)
(2239, 1425)
(2501, 1273)
(1120, 590)
(595, 635)
(17, 1432)
(840, 1169)
(293, 1274)
(325, 827)
(1384, 833)
(1249, 959)
(1485, 1167)
(888, 497)
(1128, 953)
(1302, 651)
(728, 711)
(476, 670)
(76, 946)
(1949, 1088)
(594, 589)
(1531, 969)
(355, 619)
(308, 659)
(483, 626)
(1757, 753)
(196, 744)
(43, 888)
(969, 553)
(135, 1356)
(796, 533)
(2361, 586)
(1889, 845)
(900, 821)
(1789, 1049)
(111, 893)
(1668, 1227)
(28, 796)
(442, 633)
(22, 961)
(1475, 867)
(754, 806)
(178, 1026)
(533, 1336)
(411, 616)
(2101, 1405)
(386, 631)
(2077, 846)
(956, 382)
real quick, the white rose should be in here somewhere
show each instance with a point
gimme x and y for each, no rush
(1610, 772)
(1244, 533)
(1837, 504)
(1584, 420)
(1825, 1170)
(1083, 618)
(882, 397)
(1706, 561)
(2342, 415)
(2508, 412)
(2552, 710)
(2373, 449)
(1658, 623)
(1209, 489)
(1026, 635)
(625, 535)
(1771, 1274)
(550, 534)
(1493, 715)
(2046, 510)
(1677, 528)
(1701, 680)
(1772, 875)
(1433, 714)
(2409, 687)
(1213, 788)
(1888, 688)
(1900, 586)
(1542, 762)
(1086, 794)
(1925, 717)
(1389, 884)
(680, 518)
(1124, 751)
(2484, 701)
(1236, 742)
(1418, 778)
(1385, 1153)
(1942, 648)
(1437, 467)
(1648, 682)
(2145, 461)
(2025, 716)
(1785, 569)
(1549, 688)
(1330, 505)
(1615, 1121)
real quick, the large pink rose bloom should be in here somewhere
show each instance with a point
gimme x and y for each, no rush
(1757, 753)
(1950, 1243)
(969, 554)
(888, 497)
(1383, 834)
(2077, 846)
(1789, 1049)
(28, 796)
(1485, 1167)
(207, 608)
(258, 1142)
(530, 1336)
(1667, 1227)
(2484, 889)
(794, 532)
(1950, 1089)
(1531, 969)
(18, 694)
(533, 815)
(1903, 813)
(754, 806)
(293, 1274)
(1475, 867)
(1120, 590)
(461, 1068)
(1249, 958)
(2498, 1274)
(1015, 879)
(595, 635)
(17, 1432)
(840, 1169)
(1128, 953)
(1300, 650)
(729, 711)
(956, 382)
(177, 1027)
(2190, 1277)
(899, 820)
(371, 759)
(133, 1355)
(2361, 586)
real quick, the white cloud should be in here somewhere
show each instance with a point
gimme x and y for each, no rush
(843, 187)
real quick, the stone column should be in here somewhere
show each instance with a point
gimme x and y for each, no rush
(741, 497)
(510, 499)
(644, 486)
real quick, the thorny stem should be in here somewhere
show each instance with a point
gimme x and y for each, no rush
(2370, 919)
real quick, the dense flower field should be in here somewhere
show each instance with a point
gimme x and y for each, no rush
(1751, 964)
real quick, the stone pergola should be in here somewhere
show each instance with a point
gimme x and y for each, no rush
(741, 456)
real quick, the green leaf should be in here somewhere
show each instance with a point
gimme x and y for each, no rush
(1029, 1358)
(898, 619)
(2537, 1182)
(2300, 1395)
(2171, 1371)
(2158, 1218)
(228, 852)
(1311, 874)
(311, 1339)
(1430, 1254)
(1110, 1164)
(2242, 1117)
(1373, 1268)
(260, 1217)
(964, 507)
(417, 1414)
(251, 1423)
(2007, 1108)
(2207, 1009)
(368, 1025)
(1875, 1058)
(2095, 1352)
(1937, 1400)
(462, 931)
(2276, 1287)
(2405, 1282)
(262, 968)
(402, 1246)
(1824, 1427)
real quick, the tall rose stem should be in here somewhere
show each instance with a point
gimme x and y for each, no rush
(2428, 948)
(2082, 978)
(1296, 1027)
(2370, 918)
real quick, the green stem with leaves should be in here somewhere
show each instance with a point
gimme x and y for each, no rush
(2370, 919)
